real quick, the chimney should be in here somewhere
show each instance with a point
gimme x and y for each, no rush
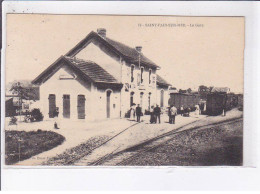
(102, 32)
(138, 48)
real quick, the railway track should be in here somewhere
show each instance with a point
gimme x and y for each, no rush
(72, 161)
(128, 154)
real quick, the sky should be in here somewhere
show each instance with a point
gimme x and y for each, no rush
(200, 51)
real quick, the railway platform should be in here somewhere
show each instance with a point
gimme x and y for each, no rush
(121, 133)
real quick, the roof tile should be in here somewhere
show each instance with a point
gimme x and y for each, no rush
(92, 70)
(130, 52)
(162, 81)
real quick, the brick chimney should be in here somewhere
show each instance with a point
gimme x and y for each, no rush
(102, 32)
(138, 48)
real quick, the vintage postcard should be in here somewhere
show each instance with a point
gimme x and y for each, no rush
(111, 90)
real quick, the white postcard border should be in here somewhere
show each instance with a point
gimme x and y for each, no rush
(176, 178)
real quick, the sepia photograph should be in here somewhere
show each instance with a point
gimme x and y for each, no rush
(123, 90)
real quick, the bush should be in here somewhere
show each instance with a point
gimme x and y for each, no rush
(36, 115)
(28, 118)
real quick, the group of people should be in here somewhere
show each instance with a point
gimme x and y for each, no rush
(155, 114)
(136, 111)
(187, 111)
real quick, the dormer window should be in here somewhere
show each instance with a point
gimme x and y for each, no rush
(150, 76)
(132, 73)
(142, 71)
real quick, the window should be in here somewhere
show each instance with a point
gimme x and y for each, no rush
(150, 74)
(132, 73)
(142, 71)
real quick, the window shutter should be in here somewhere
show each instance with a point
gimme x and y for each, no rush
(138, 79)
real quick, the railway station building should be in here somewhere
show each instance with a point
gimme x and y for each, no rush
(100, 78)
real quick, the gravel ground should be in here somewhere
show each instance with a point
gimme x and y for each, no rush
(213, 146)
(76, 153)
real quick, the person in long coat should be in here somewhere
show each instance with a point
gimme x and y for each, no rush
(132, 113)
(197, 111)
(188, 111)
(157, 113)
(152, 119)
(182, 110)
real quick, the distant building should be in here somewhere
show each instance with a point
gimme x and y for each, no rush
(225, 90)
(162, 92)
(100, 78)
(13, 105)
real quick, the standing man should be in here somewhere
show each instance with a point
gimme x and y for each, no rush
(157, 113)
(201, 107)
(173, 111)
(169, 114)
(56, 116)
(138, 112)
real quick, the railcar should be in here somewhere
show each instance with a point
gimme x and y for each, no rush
(217, 102)
(185, 100)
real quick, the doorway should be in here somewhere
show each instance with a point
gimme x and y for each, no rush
(108, 103)
(52, 105)
(66, 106)
(81, 107)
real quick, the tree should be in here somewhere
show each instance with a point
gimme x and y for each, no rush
(203, 91)
(210, 88)
(23, 93)
(182, 91)
(203, 88)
